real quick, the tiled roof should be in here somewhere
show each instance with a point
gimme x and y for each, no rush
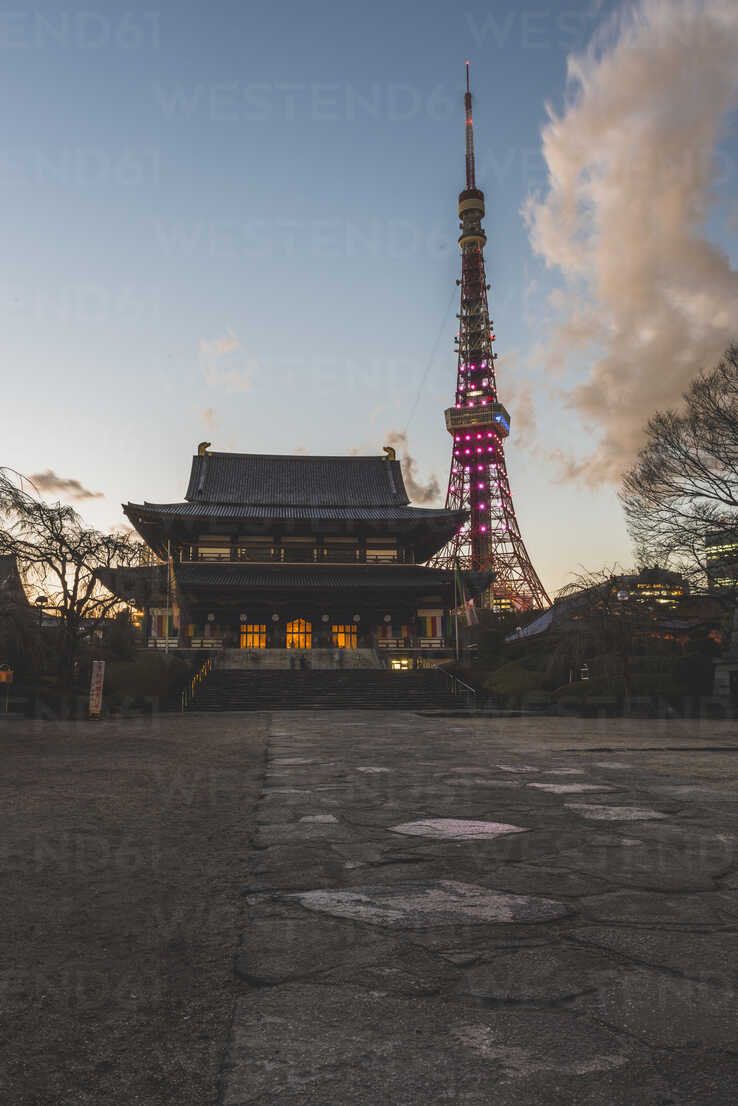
(296, 481)
(299, 576)
(329, 576)
(247, 510)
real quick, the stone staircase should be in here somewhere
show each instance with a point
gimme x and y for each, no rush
(350, 689)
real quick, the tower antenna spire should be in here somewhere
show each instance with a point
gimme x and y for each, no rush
(470, 175)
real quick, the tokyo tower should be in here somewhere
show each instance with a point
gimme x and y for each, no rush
(490, 538)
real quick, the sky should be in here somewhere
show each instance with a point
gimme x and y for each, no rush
(236, 222)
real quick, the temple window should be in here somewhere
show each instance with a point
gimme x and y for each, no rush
(341, 550)
(344, 636)
(253, 636)
(256, 549)
(298, 549)
(214, 548)
(381, 550)
(299, 634)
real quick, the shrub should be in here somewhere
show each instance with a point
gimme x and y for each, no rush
(150, 675)
(512, 681)
(693, 674)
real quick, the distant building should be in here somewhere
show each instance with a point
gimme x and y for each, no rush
(654, 584)
(721, 556)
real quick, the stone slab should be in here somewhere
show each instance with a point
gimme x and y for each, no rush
(456, 829)
(538, 975)
(318, 1046)
(614, 813)
(666, 1011)
(419, 904)
(570, 788)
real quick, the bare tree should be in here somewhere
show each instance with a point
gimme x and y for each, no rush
(600, 615)
(59, 557)
(684, 485)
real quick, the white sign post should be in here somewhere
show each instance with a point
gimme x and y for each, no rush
(96, 688)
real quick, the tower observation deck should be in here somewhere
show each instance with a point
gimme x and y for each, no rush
(489, 539)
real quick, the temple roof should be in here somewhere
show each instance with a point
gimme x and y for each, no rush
(306, 577)
(268, 511)
(245, 492)
(202, 579)
(276, 480)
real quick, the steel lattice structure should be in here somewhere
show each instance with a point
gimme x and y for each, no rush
(490, 539)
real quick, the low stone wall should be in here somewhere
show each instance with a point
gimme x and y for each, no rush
(299, 658)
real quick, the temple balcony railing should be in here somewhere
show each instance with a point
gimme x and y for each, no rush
(284, 555)
(412, 643)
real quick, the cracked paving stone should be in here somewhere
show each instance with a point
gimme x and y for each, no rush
(644, 908)
(666, 1011)
(516, 768)
(703, 1079)
(412, 971)
(645, 867)
(538, 975)
(456, 829)
(571, 788)
(302, 832)
(291, 1046)
(614, 813)
(419, 904)
(706, 956)
(288, 945)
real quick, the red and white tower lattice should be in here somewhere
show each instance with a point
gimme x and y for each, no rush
(490, 538)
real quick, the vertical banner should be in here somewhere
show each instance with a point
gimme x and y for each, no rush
(96, 688)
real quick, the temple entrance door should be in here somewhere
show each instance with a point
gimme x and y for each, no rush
(253, 636)
(344, 637)
(299, 634)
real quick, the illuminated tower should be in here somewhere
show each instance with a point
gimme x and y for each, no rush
(490, 538)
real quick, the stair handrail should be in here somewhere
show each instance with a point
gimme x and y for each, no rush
(458, 686)
(190, 690)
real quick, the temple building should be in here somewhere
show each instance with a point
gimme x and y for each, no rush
(295, 552)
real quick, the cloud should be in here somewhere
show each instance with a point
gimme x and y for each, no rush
(218, 346)
(209, 418)
(519, 402)
(418, 492)
(217, 375)
(631, 163)
(48, 481)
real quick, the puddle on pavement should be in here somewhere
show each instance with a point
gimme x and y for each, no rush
(418, 904)
(456, 829)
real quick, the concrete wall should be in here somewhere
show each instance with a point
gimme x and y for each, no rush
(299, 658)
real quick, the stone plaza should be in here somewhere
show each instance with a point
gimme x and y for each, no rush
(508, 911)
(369, 907)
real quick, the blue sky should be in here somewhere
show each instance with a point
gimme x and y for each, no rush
(237, 222)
